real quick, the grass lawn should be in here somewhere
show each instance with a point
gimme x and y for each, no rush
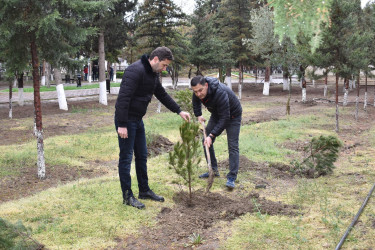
(88, 214)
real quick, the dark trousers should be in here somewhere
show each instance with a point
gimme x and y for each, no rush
(233, 133)
(136, 142)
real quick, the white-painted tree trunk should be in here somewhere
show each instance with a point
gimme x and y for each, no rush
(102, 80)
(158, 110)
(325, 90)
(313, 83)
(114, 72)
(41, 161)
(61, 97)
(60, 89)
(300, 84)
(228, 81)
(10, 108)
(43, 82)
(286, 84)
(345, 102)
(90, 73)
(15, 82)
(239, 91)
(266, 88)
(356, 107)
(354, 84)
(21, 99)
(365, 102)
(304, 99)
(103, 93)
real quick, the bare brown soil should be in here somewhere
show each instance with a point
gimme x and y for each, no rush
(175, 225)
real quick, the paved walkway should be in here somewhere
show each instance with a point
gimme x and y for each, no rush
(89, 93)
(75, 94)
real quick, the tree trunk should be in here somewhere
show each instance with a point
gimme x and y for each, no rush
(90, 73)
(337, 102)
(38, 111)
(10, 99)
(304, 97)
(240, 81)
(43, 82)
(346, 92)
(266, 86)
(325, 85)
(158, 110)
(365, 102)
(256, 74)
(357, 97)
(285, 79)
(114, 72)
(60, 89)
(21, 99)
(48, 74)
(102, 82)
(228, 77)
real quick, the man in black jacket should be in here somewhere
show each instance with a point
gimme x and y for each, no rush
(226, 113)
(139, 83)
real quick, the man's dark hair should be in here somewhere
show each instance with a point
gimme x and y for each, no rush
(162, 53)
(197, 80)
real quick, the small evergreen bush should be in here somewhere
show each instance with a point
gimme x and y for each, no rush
(322, 152)
(16, 236)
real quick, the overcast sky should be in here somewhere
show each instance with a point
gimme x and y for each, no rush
(187, 6)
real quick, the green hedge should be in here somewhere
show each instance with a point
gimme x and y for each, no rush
(119, 74)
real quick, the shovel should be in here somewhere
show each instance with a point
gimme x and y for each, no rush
(211, 175)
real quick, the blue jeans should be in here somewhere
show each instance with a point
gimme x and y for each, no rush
(136, 142)
(233, 133)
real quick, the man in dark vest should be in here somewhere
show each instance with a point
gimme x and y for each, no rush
(226, 113)
(139, 83)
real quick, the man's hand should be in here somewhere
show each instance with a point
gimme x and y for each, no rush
(201, 119)
(185, 116)
(122, 132)
(208, 142)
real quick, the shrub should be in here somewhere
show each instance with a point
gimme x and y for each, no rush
(184, 99)
(119, 74)
(16, 236)
(322, 153)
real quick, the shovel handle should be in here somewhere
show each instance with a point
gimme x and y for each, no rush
(207, 150)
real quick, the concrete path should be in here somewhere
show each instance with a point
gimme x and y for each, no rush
(74, 94)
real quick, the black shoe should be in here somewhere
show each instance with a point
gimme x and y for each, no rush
(206, 175)
(150, 195)
(132, 201)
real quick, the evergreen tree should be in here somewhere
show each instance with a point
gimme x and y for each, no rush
(38, 29)
(295, 16)
(184, 158)
(206, 49)
(234, 22)
(111, 22)
(338, 40)
(263, 41)
(158, 22)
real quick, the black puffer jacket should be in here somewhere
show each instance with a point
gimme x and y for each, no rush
(221, 102)
(138, 85)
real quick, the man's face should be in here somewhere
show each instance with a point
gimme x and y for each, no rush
(158, 66)
(200, 90)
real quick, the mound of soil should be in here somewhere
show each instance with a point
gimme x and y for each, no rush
(159, 145)
(262, 169)
(176, 224)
